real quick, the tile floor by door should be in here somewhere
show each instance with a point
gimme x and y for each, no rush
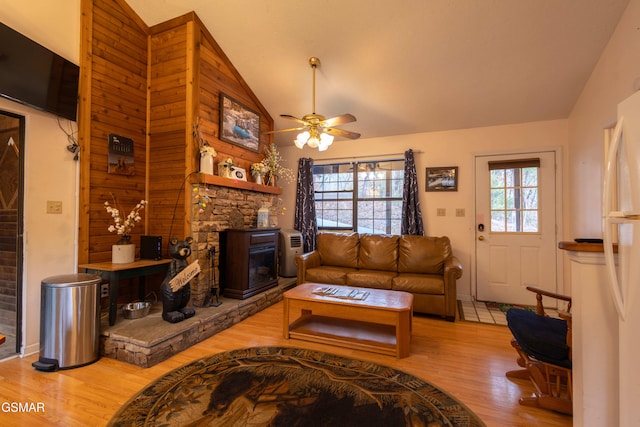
(479, 311)
(476, 311)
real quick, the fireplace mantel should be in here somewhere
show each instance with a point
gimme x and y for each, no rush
(234, 183)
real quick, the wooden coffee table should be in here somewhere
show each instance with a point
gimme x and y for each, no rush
(380, 323)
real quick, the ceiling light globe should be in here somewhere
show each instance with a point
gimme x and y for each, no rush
(313, 142)
(301, 139)
(326, 139)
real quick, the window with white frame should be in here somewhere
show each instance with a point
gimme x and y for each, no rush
(514, 196)
(362, 196)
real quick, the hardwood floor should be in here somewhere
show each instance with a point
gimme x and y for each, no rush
(466, 359)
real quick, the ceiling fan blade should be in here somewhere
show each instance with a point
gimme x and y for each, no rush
(338, 120)
(295, 119)
(341, 132)
(284, 130)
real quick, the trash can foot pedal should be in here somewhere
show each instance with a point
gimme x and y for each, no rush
(46, 365)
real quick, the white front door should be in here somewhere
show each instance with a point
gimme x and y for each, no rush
(515, 226)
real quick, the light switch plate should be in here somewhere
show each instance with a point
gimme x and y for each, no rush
(54, 207)
(441, 212)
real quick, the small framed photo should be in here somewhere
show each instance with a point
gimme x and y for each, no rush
(239, 124)
(238, 173)
(442, 179)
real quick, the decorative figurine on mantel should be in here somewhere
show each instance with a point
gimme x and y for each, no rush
(176, 286)
(225, 167)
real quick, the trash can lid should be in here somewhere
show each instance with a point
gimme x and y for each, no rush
(78, 279)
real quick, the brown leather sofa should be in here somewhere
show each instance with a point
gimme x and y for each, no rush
(421, 265)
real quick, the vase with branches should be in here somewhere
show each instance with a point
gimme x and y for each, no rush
(273, 164)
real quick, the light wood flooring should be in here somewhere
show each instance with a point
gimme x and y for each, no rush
(465, 359)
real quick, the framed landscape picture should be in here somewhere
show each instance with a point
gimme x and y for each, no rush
(442, 179)
(239, 124)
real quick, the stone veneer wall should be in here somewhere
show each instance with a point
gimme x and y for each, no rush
(214, 209)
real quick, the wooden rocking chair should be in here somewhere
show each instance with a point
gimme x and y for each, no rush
(543, 344)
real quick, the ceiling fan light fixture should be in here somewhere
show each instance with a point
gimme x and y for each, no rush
(325, 141)
(320, 131)
(301, 139)
(313, 142)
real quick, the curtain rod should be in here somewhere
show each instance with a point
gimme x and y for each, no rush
(364, 158)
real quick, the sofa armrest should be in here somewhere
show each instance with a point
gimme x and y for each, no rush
(304, 261)
(452, 269)
(452, 272)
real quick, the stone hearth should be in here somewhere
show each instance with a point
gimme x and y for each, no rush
(150, 340)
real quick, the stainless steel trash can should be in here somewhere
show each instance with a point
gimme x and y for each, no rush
(69, 321)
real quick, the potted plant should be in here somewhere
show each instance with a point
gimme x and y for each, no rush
(123, 251)
(273, 163)
(258, 171)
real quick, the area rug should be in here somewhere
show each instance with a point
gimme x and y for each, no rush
(286, 386)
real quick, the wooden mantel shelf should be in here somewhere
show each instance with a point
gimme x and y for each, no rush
(234, 183)
(584, 247)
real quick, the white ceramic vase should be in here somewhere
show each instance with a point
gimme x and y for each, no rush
(206, 163)
(123, 254)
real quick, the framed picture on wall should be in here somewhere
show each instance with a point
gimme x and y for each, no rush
(239, 124)
(442, 179)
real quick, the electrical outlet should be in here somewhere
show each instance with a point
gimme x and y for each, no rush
(441, 212)
(104, 290)
(460, 212)
(54, 207)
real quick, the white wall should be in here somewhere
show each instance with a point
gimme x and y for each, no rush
(452, 148)
(50, 172)
(615, 77)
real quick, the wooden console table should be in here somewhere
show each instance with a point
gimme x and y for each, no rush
(115, 272)
(381, 323)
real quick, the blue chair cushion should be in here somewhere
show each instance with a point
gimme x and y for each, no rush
(544, 338)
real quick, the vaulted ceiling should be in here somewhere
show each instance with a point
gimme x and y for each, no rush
(408, 66)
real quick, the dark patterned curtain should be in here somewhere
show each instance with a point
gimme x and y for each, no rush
(305, 217)
(411, 214)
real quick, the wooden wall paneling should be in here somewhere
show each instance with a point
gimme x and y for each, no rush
(150, 84)
(168, 108)
(84, 127)
(113, 83)
(192, 152)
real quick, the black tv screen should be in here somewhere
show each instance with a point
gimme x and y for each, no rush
(35, 76)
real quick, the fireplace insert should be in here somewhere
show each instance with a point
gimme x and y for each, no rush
(250, 261)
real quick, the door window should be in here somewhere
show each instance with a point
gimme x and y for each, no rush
(514, 196)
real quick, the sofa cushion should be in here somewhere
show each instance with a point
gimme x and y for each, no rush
(338, 249)
(422, 254)
(378, 252)
(371, 279)
(419, 283)
(328, 274)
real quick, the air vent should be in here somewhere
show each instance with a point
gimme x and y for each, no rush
(296, 241)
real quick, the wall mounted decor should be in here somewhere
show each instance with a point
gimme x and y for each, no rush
(120, 155)
(239, 124)
(442, 179)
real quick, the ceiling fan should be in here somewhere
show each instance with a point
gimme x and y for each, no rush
(317, 131)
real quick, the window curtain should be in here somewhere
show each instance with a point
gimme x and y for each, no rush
(305, 216)
(411, 214)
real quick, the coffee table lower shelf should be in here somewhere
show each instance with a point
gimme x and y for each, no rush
(354, 334)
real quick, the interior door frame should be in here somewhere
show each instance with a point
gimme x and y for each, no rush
(560, 166)
(20, 225)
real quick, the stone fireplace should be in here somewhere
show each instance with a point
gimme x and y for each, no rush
(215, 208)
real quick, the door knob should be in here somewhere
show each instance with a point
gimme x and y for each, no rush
(480, 237)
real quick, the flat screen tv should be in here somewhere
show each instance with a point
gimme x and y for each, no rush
(33, 75)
